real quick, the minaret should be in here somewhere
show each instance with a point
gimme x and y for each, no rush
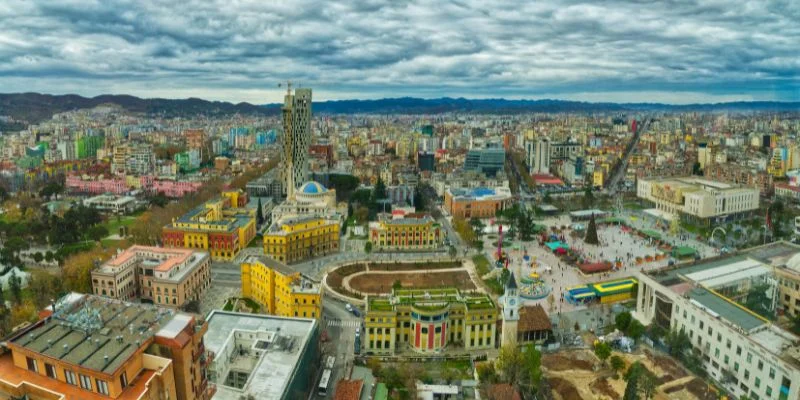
(510, 311)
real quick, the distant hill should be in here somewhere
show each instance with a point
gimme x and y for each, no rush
(36, 107)
(411, 105)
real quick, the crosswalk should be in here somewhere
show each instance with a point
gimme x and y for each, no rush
(346, 323)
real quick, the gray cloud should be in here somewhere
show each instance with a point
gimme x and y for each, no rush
(239, 50)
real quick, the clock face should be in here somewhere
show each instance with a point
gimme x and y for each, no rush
(511, 302)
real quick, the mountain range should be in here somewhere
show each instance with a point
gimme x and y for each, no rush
(36, 107)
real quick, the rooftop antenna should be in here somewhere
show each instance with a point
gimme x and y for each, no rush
(288, 87)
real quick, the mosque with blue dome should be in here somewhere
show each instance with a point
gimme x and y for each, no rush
(311, 198)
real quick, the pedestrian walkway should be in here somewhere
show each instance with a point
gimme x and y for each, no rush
(346, 323)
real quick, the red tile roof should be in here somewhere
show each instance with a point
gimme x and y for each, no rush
(348, 390)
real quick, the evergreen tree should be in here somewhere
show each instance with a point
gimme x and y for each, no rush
(419, 200)
(259, 214)
(15, 284)
(632, 376)
(591, 233)
(632, 388)
(379, 192)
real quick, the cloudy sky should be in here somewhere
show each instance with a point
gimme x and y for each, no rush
(676, 51)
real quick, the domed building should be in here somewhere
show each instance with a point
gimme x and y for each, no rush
(311, 198)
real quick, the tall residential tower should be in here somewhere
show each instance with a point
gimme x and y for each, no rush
(296, 137)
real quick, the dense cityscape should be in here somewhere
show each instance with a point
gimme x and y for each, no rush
(453, 255)
(405, 200)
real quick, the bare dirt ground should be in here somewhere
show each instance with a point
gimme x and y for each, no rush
(382, 283)
(601, 385)
(579, 375)
(564, 389)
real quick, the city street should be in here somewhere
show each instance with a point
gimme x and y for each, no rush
(339, 325)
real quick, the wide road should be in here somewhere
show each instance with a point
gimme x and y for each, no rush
(339, 325)
(619, 173)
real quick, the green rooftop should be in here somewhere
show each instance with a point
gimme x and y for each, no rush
(429, 299)
(726, 309)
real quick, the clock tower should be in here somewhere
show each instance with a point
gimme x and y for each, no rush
(510, 311)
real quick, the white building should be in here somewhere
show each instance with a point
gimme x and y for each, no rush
(541, 157)
(696, 199)
(742, 351)
(111, 203)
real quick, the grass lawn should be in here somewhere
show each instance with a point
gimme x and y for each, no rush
(494, 285)
(109, 242)
(482, 265)
(257, 242)
(113, 225)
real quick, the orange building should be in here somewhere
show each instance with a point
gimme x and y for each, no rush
(93, 347)
(164, 276)
(477, 202)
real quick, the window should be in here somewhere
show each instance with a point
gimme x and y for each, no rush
(758, 382)
(746, 374)
(123, 380)
(749, 357)
(102, 387)
(32, 366)
(760, 365)
(86, 382)
(768, 391)
(736, 366)
(70, 376)
(771, 373)
(50, 370)
(726, 359)
(738, 350)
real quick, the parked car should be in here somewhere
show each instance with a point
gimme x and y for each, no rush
(348, 307)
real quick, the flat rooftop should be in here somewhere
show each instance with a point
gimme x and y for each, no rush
(727, 309)
(270, 373)
(98, 333)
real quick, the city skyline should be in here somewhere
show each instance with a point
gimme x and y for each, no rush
(669, 52)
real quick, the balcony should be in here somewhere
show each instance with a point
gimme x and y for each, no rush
(200, 351)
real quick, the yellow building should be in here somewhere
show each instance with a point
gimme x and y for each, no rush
(223, 226)
(298, 238)
(598, 179)
(279, 289)
(428, 320)
(412, 232)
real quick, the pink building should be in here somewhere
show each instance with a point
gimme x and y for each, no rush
(149, 184)
(175, 189)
